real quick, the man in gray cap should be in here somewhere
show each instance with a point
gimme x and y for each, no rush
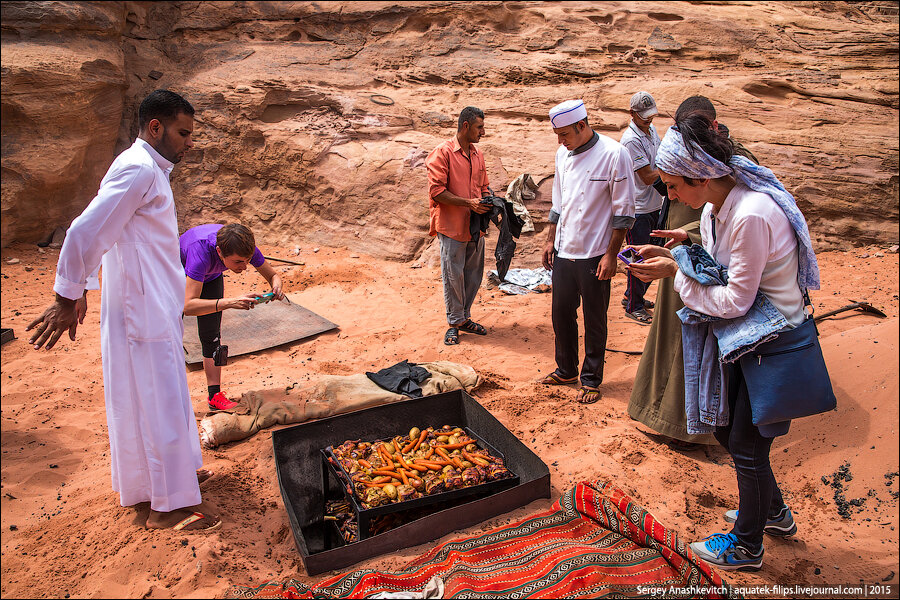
(592, 208)
(641, 140)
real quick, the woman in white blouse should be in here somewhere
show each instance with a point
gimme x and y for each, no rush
(752, 226)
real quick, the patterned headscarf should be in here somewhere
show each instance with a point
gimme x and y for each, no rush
(673, 157)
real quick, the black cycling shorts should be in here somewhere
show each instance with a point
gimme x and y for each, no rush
(210, 326)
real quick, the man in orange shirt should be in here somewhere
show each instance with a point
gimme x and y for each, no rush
(457, 181)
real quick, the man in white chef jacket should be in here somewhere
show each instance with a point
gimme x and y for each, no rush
(131, 229)
(592, 208)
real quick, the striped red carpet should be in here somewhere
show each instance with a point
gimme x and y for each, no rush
(594, 542)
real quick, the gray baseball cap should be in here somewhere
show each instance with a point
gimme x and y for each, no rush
(644, 105)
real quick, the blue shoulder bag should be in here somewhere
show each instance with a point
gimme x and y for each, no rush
(787, 378)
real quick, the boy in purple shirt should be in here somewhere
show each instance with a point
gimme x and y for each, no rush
(207, 251)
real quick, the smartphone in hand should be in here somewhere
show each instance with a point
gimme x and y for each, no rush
(629, 255)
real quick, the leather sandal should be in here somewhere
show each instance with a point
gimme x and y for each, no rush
(555, 379)
(471, 326)
(451, 338)
(641, 316)
(647, 303)
(588, 395)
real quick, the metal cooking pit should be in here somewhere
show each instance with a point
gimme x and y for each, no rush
(306, 483)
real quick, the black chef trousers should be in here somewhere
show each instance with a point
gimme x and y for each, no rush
(575, 281)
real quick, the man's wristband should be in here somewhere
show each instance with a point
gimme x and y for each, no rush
(217, 305)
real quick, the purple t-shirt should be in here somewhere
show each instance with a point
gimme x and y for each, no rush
(199, 257)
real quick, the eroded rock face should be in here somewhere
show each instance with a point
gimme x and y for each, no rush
(63, 88)
(314, 119)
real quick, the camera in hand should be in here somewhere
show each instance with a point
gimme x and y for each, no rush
(629, 255)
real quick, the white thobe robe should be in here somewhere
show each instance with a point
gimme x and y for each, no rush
(131, 225)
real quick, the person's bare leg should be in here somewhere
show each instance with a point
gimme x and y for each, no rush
(213, 373)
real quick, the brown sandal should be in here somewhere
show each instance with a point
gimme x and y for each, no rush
(471, 326)
(554, 379)
(588, 395)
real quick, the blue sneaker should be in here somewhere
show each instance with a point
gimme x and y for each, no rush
(724, 551)
(781, 525)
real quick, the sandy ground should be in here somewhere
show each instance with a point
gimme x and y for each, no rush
(64, 533)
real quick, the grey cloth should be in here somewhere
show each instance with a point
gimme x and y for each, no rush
(522, 281)
(462, 267)
(622, 222)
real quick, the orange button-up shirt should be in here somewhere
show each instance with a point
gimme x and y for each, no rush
(465, 176)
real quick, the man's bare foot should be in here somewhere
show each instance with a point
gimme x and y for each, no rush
(203, 475)
(201, 517)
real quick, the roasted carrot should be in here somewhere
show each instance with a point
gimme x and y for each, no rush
(382, 479)
(442, 453)
(385, 455)
(455, 446)
(419, 468)
(421, 439)
(364, 463)
(432, 466)
(385, 473)
(403, 477)
(432, 461)
(429, 452)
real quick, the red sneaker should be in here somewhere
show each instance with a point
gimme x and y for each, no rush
(220, 402)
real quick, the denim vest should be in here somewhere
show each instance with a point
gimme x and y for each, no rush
(709, 342)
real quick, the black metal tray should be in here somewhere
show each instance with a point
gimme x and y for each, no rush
(299, 467)
(365, 515)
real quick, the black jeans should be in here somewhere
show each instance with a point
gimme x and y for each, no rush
(574, 280)
(210, 326)
(759, 496)
(638, 235)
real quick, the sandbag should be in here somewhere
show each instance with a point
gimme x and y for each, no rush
(328, 396)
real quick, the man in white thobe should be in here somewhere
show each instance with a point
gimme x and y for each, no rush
(131, 227)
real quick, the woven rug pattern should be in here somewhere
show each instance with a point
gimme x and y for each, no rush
(594, 542)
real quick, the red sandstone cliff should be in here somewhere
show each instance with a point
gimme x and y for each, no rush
(292, 141)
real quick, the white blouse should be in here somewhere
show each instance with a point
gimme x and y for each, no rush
(753, 238)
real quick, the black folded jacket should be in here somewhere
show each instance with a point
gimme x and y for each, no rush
(510, 227)
(403, 378)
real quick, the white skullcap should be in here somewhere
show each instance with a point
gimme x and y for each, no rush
(566, 113)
